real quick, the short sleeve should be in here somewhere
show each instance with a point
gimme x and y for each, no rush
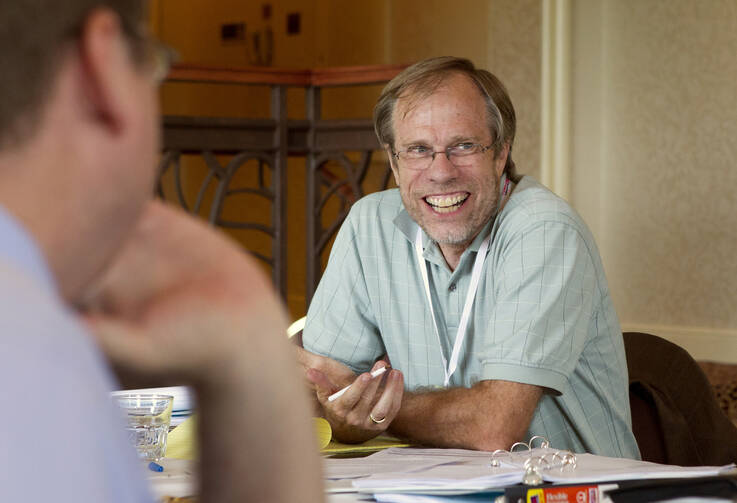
(546, 292)
(340, 323)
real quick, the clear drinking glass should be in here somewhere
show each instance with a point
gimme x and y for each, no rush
(148, 417)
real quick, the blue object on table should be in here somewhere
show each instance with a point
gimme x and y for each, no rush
(155, 467)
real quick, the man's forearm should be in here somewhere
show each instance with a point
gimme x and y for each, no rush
(491, 415)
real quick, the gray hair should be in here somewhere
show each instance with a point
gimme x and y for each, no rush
(422, 79)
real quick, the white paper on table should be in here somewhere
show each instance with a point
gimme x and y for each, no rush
(388, 461)
(339, 486)
(434, 470)
(445, 479)
(458, 471)
(591, 468)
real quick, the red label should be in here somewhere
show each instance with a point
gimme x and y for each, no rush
(576, 494)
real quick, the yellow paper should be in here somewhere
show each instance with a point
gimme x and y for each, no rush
(375, 444)
(182, 440)
(323, 431)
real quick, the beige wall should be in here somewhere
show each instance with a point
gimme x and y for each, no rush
(654, 149)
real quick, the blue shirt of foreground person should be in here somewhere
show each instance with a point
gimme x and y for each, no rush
(89, 263)
(483, 289)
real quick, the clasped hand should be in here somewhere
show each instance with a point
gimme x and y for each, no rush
(182, 303)
(366, 409)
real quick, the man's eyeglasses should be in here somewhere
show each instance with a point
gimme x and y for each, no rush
(158, 55)
(162, 57)
(460, 155)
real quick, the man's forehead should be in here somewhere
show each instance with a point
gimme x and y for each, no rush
(456, 86)
(416, 94)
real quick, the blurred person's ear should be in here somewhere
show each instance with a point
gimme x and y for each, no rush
(106, 67)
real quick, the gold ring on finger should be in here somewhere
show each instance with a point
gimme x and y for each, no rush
(377, 421)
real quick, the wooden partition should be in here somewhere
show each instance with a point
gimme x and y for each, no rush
(264, 144)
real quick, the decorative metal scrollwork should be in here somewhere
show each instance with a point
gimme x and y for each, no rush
(219, 181)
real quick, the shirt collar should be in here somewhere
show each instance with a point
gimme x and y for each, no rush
(19, 248)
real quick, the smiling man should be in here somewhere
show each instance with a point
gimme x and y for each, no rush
(482, 289)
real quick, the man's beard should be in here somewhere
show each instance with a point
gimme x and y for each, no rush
(465, 232)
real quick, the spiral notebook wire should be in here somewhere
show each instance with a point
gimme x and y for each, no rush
(533, 459)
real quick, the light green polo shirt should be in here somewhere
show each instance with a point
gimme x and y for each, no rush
(543, 314)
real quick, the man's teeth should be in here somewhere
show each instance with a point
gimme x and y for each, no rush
(445, 204)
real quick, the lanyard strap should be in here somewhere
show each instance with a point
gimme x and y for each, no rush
(478, 265)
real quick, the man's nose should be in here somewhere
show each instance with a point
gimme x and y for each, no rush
(441, 168)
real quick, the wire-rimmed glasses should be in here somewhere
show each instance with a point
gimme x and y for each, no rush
(157, 54)
(421, 156)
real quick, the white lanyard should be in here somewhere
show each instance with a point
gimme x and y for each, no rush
(448, 369)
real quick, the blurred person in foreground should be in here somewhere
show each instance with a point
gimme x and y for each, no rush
(175, 302)
(483, 289)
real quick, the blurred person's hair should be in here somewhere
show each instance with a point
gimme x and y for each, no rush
(34, 37)
(422, 79)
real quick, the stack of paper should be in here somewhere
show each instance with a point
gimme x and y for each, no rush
(432, 471)
(457, 471)
(593, 468)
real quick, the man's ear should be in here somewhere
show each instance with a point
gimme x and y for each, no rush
(392, 163)
(105, 63)
(501, 159)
